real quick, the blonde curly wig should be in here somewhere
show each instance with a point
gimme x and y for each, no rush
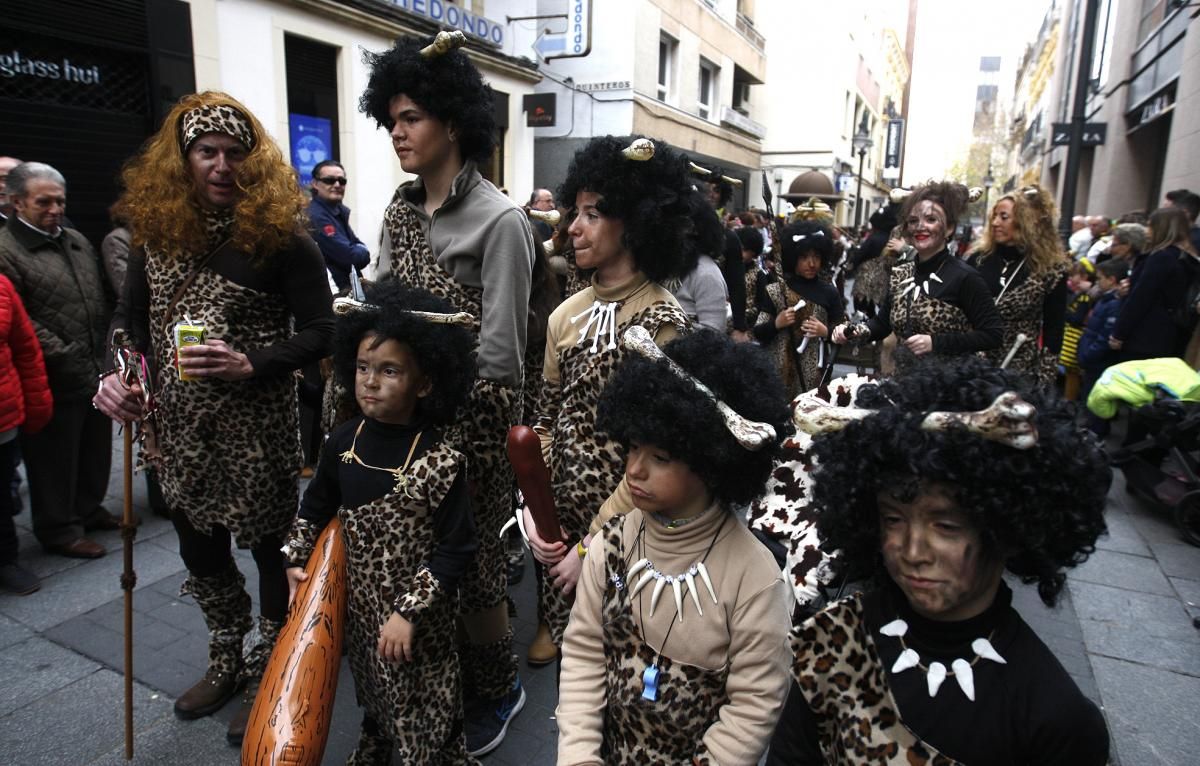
(1034, 232)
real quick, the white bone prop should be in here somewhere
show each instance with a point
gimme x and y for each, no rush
(748, 433)
(551, 217)
(898, 195)
(1030, 192)
(1008, 420)
(698, 170)
(1012, 352)
(734, 182)
(813, 415)
(974, 194)
(347, 305)
(548, 247)
(640, 150)
(444, 43)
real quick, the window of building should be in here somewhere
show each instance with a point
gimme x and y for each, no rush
(668, 49)
(1152, 13)
(707, 97)
(312, 102)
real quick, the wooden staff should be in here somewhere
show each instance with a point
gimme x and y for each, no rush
(533, 477)
(128, 580)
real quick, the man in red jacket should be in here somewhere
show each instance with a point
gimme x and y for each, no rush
(25, 403)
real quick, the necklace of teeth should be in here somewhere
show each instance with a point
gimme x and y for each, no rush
(601, 321)
(1006, 278)
(911, 285)
(677, 583)
(935, 672)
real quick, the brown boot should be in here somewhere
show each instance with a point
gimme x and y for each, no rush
(208, 696)
(542, 651)
(226, 609)
(237, 725)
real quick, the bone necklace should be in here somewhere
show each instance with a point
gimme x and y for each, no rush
(935, 672)
(1006, 279)
(400, 473)
(915, 288)
(601, 321)
(651, 673)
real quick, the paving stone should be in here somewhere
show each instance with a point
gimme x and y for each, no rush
(1178, 559)
(1123, 535)
(1189, 591)
(12, 632)
(1122, 570)
(1138, 627)
(36, 667)
(1156, 525)
(1151, 713)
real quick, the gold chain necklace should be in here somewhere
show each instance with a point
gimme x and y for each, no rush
(400, 474)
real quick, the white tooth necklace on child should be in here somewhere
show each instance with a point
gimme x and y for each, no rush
(935, 672)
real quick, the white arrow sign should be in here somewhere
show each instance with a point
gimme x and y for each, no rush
(573, 42)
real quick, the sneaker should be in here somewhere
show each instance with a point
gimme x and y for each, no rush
(18, 580)
(486, 721)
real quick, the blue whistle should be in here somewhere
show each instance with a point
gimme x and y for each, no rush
(650, 684)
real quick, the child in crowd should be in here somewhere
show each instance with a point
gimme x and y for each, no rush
(25, 404)
(633, 229)
(401, 494)
(675, 652)
(1079, 303)
(1094, 353)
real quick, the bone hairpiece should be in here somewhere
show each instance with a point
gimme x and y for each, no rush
(974, 194)
(1030, 192)
(734, 182)
(346, 305)
(748, 433)
(551, 217)
(1008, 420)
(548, 247)
(444, 43)
(640, 150)
(698, 170)
(898, 195)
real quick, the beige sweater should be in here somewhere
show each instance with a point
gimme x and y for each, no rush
(747, 631)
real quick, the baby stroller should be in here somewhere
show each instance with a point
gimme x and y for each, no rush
(1161, 454)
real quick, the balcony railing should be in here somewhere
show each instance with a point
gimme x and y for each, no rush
(746, 27)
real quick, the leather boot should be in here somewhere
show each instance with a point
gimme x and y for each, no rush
(226, 608)
(256, 665)
(542, 651)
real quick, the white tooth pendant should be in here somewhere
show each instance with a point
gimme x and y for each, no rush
(894, 628)
(935, 676)
(984, 648)
(647, 577)
(965, 677)
(907, 659)
(676, 588)
(638, 566)
(690, 578)
(703, 570)
(658, 589)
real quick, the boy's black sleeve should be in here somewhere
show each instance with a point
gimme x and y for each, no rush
(455, 541)
(796, 742)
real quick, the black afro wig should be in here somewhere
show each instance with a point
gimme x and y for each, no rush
(652, 198)
(1040, 510)
(646, 403)
(445, 352)
(804, 237)
(448, 86)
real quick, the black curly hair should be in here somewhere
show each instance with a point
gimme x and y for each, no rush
(651, 198)
(813, 238)
(646, 403)
(448, 86)
(444, 352)
(1040, 510)
(716, 179)
(950, 196)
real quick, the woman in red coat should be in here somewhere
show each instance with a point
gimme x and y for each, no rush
(25, 402)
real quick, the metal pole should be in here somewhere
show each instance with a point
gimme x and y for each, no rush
(862, 155)
(1078, 117)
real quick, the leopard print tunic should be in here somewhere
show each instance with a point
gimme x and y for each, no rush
(923, 315)
(419, 704)
(585, 465)
(483, 424)
(838, 669)
(228, 450)
(800, 372)
(670, 730)
(871, 279)
(1021, 309)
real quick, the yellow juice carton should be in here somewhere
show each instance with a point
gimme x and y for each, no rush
(187, 333)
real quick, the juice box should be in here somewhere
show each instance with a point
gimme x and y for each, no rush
(187, 334)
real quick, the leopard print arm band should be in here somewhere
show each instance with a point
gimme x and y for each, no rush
(421, 594)
(300, 541)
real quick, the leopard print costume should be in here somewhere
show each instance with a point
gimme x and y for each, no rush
(923, 315)
(1021, 309)
(838, 669)
(228, 451)
(666, 732)
(784, 511)
(871, 279)
(800, 372)
(585, 465)
(480, 434)
(417, 705)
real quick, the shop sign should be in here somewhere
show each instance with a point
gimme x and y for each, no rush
(539, 109)
(311, 140)
(595, 87)
(14, 63)
(39, 69)
(893, 147)
(1094, 133)
(445, 12)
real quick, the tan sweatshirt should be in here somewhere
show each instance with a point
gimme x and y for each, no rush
(748, 630)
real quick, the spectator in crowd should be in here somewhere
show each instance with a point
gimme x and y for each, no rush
(25, 404)
(1079, 302)
(543, 200)
(57, 274)
(1128, 242)
(1190, 203)
(1145, 328)
(1081, 237)
(1101, 237)
(6, 165)
(1094, 354)
(330, 220)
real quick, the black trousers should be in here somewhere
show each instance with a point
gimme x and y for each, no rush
(67, 464)
(8, 528)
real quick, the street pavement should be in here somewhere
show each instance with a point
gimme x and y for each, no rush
(1123, 630)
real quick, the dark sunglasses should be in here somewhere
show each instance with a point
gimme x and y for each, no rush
(331, 180)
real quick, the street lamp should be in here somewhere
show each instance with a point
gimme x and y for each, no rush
(987, 190)
(861, 143)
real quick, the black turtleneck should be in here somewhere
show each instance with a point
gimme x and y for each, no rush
(1005, 258)
(338, 484)
(1027, 711)
(960, 285)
